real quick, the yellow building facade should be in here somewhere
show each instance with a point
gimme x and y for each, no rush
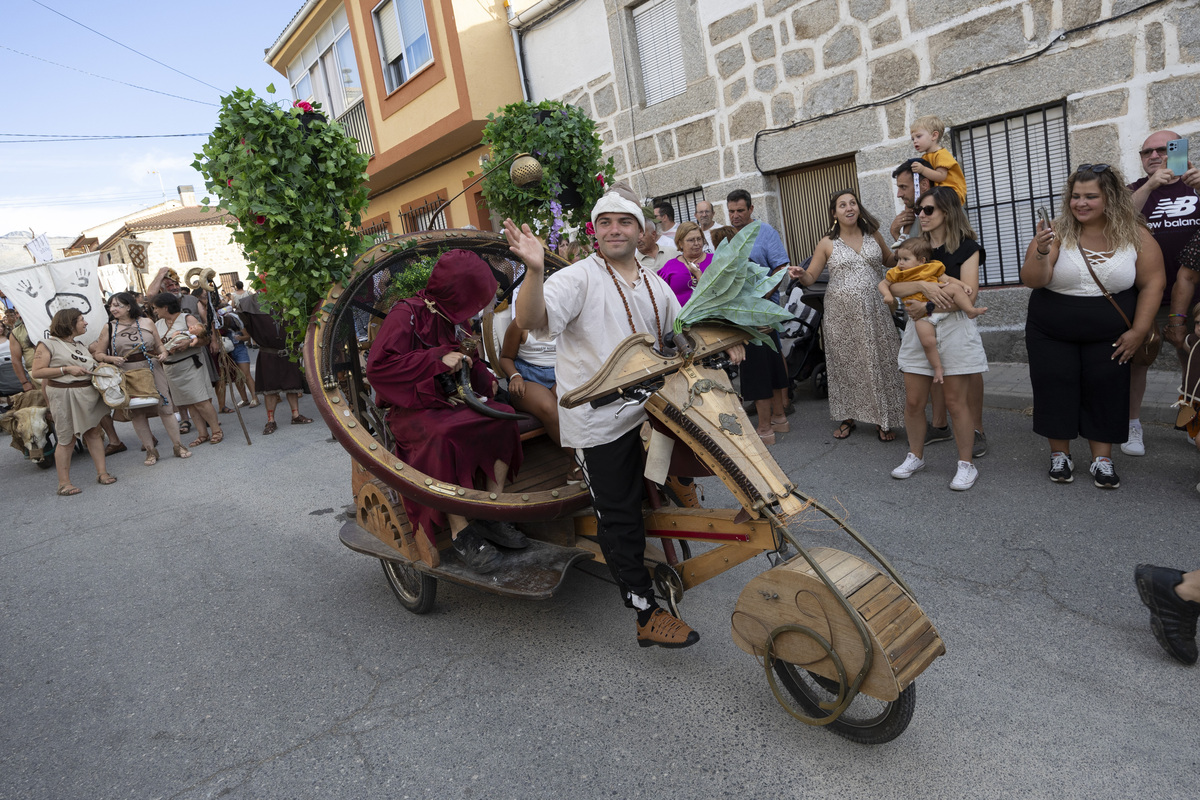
(413, 81)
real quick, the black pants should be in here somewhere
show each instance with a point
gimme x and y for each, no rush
(763, 371)
(1079, 389)
(614, 477)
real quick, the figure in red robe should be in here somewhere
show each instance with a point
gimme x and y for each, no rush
(421, 338)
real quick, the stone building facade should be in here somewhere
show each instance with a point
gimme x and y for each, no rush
(777, 87)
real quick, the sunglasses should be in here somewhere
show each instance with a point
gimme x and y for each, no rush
(926, 210)
(1096, 168)
(1149, 151)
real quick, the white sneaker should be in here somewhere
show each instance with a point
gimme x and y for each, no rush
(965, 477)
(1134, 446)
(911, 464)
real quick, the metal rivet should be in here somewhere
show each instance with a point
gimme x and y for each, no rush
(554, 493)
(374, 446)
(492, 496)
(429, 481)
(352, 424)
(335, 399)
(346, 413)
(461, 491)
(398, 467)
(524, 497)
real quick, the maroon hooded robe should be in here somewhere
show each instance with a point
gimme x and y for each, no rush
(449, 443)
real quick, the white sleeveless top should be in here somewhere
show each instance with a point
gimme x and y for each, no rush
(539, 352)
(1071, 276)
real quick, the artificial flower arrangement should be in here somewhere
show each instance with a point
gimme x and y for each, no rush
(296, 183)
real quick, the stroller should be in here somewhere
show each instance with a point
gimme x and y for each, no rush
(801, 341)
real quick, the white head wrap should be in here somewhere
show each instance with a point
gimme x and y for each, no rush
(620, 199)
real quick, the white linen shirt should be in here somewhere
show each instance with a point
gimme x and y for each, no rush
(588, 319)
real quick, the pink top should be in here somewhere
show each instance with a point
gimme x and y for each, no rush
(679, 278)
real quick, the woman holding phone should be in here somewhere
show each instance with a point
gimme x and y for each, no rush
(1079, 343)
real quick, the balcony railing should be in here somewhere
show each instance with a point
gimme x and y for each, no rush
(354, 123)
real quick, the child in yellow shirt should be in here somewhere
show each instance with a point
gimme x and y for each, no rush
(927, 133)
(913, 264)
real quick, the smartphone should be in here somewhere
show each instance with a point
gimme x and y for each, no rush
(1043, 216)
(1177, 156)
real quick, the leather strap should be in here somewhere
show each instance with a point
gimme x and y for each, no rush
(61, 385)
(1092, 272)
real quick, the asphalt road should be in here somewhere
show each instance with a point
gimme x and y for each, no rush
(197, 630)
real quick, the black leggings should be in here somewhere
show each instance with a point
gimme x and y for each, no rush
(614, 477)
(763, 371)
(1079, 389)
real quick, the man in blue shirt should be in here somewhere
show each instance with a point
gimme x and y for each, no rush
(763, 375)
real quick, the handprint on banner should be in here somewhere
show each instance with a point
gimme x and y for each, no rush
(81, 278)
(27, 287)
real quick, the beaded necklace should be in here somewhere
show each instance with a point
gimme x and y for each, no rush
(628, 313)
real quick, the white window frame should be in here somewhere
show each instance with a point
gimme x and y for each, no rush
(660, 50)
(320, 56)
(397, 69)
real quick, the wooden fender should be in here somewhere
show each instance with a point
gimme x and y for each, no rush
(380, 512)
(903, 640)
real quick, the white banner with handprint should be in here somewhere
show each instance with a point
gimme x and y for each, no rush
(40, 290)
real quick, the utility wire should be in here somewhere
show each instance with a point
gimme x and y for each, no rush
(105, 78)
(127, 47)
(72, 140)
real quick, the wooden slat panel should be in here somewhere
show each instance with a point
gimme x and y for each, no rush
(862, 597)
(804, 194)
(918, 664)
(889, 635)
(881, 602)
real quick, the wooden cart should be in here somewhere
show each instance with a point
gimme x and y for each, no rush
(841, 639)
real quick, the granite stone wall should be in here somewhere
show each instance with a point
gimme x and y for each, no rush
(785, 72)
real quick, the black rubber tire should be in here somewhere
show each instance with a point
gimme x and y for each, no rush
(866, 721)
(415, 590)
(820, 382)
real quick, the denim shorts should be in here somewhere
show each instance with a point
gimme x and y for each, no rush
(540, 375)
(239, 353)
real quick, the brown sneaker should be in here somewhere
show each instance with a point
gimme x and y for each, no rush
(664, 630)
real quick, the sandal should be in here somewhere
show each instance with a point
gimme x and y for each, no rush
(100, 479)
(151, 457)
(780, 425)
(253, 404)
(217, 437)
(113, 449)
(885, 434)
(67, 490)
(226, 410)
(845, 429)
(185, 426)
(199, 440)
(300, 419)
(270, 427)
(768, 438)
(182, 452)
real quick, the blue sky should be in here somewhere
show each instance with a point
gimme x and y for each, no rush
(62, 187)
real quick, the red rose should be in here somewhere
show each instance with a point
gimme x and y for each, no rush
(260, 219)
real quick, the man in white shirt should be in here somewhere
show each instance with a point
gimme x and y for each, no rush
(651, 252)
(664, 214)
(590, 309)
(704, 218)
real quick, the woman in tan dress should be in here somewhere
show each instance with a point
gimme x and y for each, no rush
(861, 341)
(184, 365)
(131, 341)
(63, 364)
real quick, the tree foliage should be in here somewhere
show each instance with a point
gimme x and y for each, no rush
(297, 193)
(566, 144)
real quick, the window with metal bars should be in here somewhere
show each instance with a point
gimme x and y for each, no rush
(1013, 165)
(421, 218)
(379, 232)
(683, 202)
(660, 50)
